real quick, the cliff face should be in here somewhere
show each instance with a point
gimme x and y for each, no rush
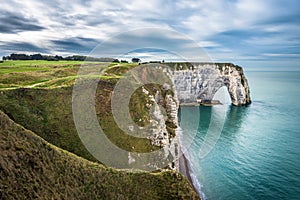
(200, 81)
(164, 122)
(193, 82)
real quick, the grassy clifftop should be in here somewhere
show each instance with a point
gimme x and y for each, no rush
(31, 168)
(37, 134)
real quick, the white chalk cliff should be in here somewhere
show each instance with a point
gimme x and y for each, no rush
(192, 82)
(200, 81)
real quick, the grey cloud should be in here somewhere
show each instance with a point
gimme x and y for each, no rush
(94, 21)
(149, 38)
(22, 46)
(13, 23)
(75, 44)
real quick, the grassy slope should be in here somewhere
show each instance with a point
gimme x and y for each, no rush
(36, 74)
(27, 73)
(32, 168)
(48, 112)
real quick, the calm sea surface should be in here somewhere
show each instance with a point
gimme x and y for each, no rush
(248, 152)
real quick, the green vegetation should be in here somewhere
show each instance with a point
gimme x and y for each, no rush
(31, 168)
(47, 112)
(15, 74)
(51, 74)
(46, 108)
(119, 69)
(37, 63)
(38, 96)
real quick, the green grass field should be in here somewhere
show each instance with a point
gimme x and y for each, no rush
(16, 74)
(50, 74)
(34, 65)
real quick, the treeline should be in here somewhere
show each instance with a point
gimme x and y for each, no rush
(15, 56)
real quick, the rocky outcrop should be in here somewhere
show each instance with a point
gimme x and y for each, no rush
(198, 82)
(164, 121)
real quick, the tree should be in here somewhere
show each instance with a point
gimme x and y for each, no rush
(135, 60)
(37, 57)
(58, 57)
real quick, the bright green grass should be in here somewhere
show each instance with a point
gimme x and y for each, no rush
(41, 65)
(33, 65)
(43, 74)
(36, 63)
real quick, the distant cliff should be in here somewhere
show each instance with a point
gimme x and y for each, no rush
(196, 82)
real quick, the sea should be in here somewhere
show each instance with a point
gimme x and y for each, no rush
(248, 152)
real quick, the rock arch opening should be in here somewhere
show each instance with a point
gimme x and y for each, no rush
(222, 95)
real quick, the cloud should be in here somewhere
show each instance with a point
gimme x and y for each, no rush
(146, 39)
(21, 47)
(282, 55)
(82, 45)
(13, 23)
(236, 29)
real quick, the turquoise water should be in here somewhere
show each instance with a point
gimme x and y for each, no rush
(257, 155)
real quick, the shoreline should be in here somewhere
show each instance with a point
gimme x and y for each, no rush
(185, 169)
(204, 103)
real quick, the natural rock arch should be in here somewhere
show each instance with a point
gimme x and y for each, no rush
(200, 81)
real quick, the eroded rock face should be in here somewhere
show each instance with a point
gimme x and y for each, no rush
(163, 110)
(200, 82)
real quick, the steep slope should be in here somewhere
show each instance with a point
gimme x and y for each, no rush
(48, 113)
(31, 168)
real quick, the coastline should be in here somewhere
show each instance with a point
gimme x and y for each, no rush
(185, 169)
(204, 103)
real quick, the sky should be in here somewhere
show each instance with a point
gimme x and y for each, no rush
(256, 34)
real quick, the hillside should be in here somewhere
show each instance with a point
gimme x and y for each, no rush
(31, 168)
(46, 108)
